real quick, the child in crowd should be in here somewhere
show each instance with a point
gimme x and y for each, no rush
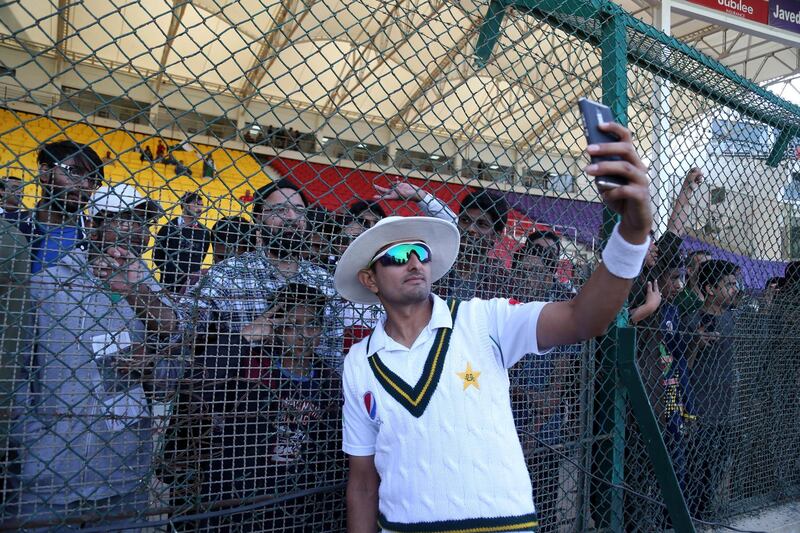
(256, 418)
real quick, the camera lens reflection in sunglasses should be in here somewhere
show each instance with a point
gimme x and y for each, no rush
(400, 254)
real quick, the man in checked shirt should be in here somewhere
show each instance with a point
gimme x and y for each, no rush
(239, 291)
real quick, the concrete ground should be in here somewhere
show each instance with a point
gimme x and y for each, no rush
(783, 519)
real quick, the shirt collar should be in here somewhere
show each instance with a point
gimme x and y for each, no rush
(440, 318)
(182, 223)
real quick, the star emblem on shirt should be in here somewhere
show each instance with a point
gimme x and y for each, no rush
(469, 377)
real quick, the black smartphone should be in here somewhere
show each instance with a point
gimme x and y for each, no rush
(594, 114)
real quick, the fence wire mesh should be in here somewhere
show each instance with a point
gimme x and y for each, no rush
(181, 178)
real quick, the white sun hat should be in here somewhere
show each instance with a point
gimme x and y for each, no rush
(123, 197)
(441, 236)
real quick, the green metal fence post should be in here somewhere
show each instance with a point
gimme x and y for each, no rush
(490, 32)
(603, 513)
(651, 434)
(616, 376)
(614, 50)
(781, 144)
(629, 383)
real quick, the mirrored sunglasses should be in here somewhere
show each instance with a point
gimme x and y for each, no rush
(400, 254)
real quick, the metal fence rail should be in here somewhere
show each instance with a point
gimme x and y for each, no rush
(173, 345)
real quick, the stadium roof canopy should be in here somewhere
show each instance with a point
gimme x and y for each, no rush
(406, 63)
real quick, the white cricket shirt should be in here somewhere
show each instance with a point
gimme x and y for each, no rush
(437, 417)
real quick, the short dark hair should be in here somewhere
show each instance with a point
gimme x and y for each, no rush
(190, 197)
(5, 180)
(271, 187)
(664, 271)
(713, 270)
(791, 277)
(546, 234)
(528, 246)
(293, 294)
(55, 152)
(776, 280)
(495, 205)
(234, 231)
(359, 206)
(667, 263)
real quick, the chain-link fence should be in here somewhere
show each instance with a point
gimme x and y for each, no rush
(181, 178)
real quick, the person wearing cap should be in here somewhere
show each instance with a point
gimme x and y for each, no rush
(182, 244)
(236, 292)
(68, 175)
(85, 431)
(121, 223)
(358, 320)
(427, 424)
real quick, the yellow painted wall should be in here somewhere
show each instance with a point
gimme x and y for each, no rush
(21, 134)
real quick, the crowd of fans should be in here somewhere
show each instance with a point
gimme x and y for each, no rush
(167, 155)
(688, 311)
(249, 350)
(280, 138)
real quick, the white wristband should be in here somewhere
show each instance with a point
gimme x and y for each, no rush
(622, 258)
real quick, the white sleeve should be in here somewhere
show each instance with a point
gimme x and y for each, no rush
(433, 207)
(512, 328)
(359, 433)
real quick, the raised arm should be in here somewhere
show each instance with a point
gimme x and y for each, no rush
(601, 298)
(427, 202)
(127, 275)
(650, 305)
(679, 218)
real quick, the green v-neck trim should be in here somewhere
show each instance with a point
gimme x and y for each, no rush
(415, 399)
